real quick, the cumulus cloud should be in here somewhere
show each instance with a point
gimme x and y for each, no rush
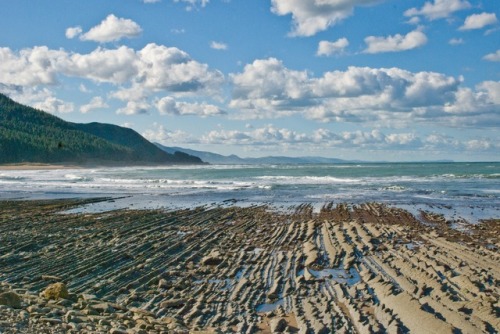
(72, 32)
(438, 9)
(54, 105)
(155, 67)
(267, 86)
(495, 56)
(390, 97)
(158, 133)
(478, 21)
(326, 48)
(485, 98)
(312, 16)
(102, 65)
(138, 74)
(218, 45)
(30, 67)
(97, 102)
(396, 43)
(135, 108)
(151, 1)
(261, 136)
(164, 68)
(112, 28)
(169, 106)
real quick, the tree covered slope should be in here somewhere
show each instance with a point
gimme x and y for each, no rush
(28, 135)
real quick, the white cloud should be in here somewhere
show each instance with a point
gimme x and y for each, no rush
(102, 65)
(151, 1)
(326, 48)
(478, 21)
(218, 45)
(495, 56)
(438, 9)
(480, 145)
(270, 136)
(82, 88)
(164, 136)
(112, 28)
(484, 99)
(168, 106)
(414, 20)
(164, 68)
(155, 67)
(479, 107)
(138, 74)
(491, 91)
(28, 95)
(396, 43)
(134, 108)
(53, 105)
(178, 31)
(282, 139)
(456, 41)
(97, 102)
(261, 136)
(192, 4)
(72, 32)
(30, 67)
(313, 16)
(387, 97)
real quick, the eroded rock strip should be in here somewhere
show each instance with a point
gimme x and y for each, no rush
(348, 269)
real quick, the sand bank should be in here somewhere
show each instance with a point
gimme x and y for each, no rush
(347, 269)
(36, 166)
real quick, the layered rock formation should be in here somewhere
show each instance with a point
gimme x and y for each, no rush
(346, 269)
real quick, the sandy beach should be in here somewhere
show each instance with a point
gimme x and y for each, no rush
(35, 166)
(348, 269)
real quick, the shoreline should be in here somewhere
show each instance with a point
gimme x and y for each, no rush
(39, 166)
(245, 269)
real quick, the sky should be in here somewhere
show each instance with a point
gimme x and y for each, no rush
(397, 80)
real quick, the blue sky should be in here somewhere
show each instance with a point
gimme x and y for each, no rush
(353, 79)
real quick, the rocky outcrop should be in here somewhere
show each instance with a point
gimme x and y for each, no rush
(346, 269)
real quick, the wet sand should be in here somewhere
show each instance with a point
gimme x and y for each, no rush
(37, 166)
(346, 269)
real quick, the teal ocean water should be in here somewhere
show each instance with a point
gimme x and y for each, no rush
(467, 189)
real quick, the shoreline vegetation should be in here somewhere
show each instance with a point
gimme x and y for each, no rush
(218, 269)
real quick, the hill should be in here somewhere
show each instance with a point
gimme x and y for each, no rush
(28, 135)
(214, 158)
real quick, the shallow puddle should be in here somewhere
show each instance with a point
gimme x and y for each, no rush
(270, 307)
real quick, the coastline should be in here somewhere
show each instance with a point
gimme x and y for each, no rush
(233, 269)
(40, 166)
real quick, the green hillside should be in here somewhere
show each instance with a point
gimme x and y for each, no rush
(28, 135)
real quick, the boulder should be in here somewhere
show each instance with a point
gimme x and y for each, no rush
(163, 284)
(56, 291)
(212, 259)
(10, 299)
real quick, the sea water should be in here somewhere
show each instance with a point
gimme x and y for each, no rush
(467, 190)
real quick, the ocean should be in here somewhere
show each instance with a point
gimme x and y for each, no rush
(457, 190)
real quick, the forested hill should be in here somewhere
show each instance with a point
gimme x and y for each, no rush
(28, 135)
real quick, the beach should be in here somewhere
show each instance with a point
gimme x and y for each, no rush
(35, 166)
(348, 268)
